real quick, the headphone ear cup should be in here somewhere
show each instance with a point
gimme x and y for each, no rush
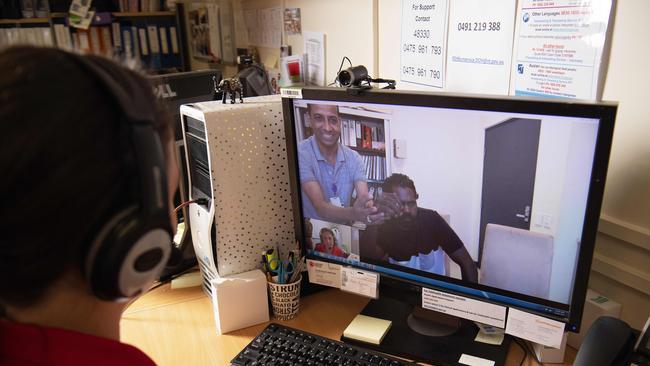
(127, 257)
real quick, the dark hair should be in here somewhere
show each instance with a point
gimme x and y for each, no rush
(62, 162)
(309, 105)
(327, 230)
(398, 180)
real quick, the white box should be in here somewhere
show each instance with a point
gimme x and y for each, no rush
(240, 301)
(596, 305)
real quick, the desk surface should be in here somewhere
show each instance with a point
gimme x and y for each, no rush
(176, 327)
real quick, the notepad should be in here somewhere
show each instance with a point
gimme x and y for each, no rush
(367, 329)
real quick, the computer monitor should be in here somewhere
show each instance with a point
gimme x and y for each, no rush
(254, 80)
(175, 90)
(469, 205)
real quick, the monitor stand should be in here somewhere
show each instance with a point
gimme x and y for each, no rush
(424, 336)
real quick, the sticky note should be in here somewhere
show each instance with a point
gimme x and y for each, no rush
(367, 329)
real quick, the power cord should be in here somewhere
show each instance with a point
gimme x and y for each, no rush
(525, 356)
(200, 201)
(527, 350)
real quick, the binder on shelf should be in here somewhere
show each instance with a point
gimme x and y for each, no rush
(175, 50)
(95, 43)
(145, 54)
(48, 39)
(128, 44)
(117, 39)
(133, 6)
(83, 39)
(154, 46)
(62, 36)
(165, 52)
(106, 40)
(135, 38)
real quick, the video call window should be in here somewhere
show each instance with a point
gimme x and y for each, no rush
(446, 192)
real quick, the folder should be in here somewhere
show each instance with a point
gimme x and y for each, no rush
(128, 47)
(116, 36)
(84, 40)
(135, 38)
(154, 46)
(175, 51)
(145, 55)
(95, 44)
(105, 41)
(62, 35)
(165, 52)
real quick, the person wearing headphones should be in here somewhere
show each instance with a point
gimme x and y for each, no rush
(328, 243)
(88, 174)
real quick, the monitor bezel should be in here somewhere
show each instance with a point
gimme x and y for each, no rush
(605, 112)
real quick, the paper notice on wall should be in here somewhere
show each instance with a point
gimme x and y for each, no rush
(559, 48)
(479, 48)
(264, 27)
(535, 328)
(424, 31)
(315, 50)
(324, 273)
(464, 307)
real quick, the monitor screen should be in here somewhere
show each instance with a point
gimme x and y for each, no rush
(493, 199)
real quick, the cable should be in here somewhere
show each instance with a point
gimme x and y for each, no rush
(171, 278)
(529, 350)
(525, 356)
(200, 201)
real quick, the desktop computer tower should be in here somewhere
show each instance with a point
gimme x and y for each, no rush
(175, 90)
(237, 161)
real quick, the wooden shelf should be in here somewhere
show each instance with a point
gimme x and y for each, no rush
(164, 13)
(25, 21)
(363, 151)
(144, 14)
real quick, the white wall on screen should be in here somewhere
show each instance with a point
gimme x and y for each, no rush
(564, 162)
(572, 208)
(445, 157)
(445, 160)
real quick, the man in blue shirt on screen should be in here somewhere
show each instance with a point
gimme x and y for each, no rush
(330, 172)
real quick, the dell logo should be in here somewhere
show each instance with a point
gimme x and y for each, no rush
(164, 91)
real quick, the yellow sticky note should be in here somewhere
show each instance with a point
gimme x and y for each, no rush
(367, 329)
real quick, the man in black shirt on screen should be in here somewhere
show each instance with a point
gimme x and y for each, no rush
(416, 237)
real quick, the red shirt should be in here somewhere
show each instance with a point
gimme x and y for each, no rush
(320, 247)
(31, 345)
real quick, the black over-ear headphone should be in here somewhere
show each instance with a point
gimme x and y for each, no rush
(129, 252)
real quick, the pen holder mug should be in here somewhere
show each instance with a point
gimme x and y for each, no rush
(285, 299)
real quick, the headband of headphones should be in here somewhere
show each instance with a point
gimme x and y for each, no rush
(131, 249)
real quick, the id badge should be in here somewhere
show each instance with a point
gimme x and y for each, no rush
(336, 201)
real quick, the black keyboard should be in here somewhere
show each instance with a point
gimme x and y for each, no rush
(280, 345)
